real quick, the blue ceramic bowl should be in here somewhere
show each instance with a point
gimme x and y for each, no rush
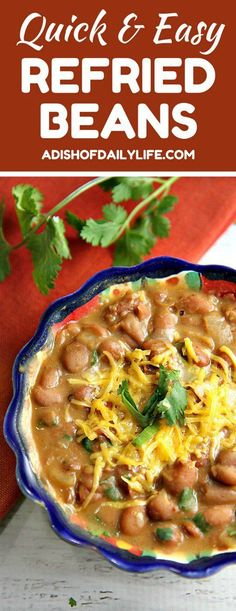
(27, 479)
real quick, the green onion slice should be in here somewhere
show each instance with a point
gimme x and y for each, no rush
(146, 434)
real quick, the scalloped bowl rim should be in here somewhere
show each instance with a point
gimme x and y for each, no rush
(158, 267)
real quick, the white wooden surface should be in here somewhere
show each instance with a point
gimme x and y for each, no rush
(39, 572)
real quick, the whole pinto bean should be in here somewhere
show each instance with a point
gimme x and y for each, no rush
(180, 476)
(196, 302)
(156, 346)
(83, 392)
(133, 520)
(164, 324)
(122, 471)
(225, 356)
(81, 493)
(224, 469)
(227, 457)
(143, 310)
(48, 416)
(224, 473)
(96, 328)
(219, 515)
(49, 396)
(216, 494)
(75, 356)
(165, 319)
(203, 359)
(48, 391)
(230, 313)
(218, 329)
(134, 327)
(50, 377)
(113, 346)
(192, 530)
(86, 476)
(176, 535)
(161, 506)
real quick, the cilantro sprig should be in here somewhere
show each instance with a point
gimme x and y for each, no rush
(134, 241)
(44, 233)
(168, 401)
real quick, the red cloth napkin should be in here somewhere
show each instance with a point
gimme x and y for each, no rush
(206, 207)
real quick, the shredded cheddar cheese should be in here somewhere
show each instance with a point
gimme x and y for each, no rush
(210, 411)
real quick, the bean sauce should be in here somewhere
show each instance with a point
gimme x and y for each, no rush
(134, 416)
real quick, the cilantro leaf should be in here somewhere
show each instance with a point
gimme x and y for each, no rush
(73, 220)
(165, 377)
(173, 406)
(115, 214)
(48, 249)
(108, 184)
(128, 401)
(160, 225)
(169, 401)
(141, 187)
(134, 244)
(126, 251)
(121, 192)
(167, 204)
(5, 249)
(59, 241)
(99, 232)
(28, 206)
(103, 231)
(143, 226)
(72, 602)
(132, 188)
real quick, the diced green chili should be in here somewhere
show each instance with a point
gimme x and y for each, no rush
(87, 445)
(200, 521)
(68, 437)
(193, 280)
(113, 493)
(188, 500)
(164, 534)
(111, 489)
